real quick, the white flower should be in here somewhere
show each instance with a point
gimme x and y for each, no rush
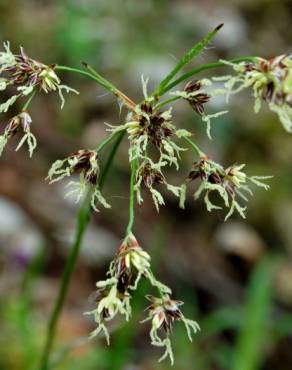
(270, 80)
(229, 183)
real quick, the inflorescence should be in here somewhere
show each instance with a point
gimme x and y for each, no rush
(155, 143)
(271, 82)
(26, 76)
(113, 296)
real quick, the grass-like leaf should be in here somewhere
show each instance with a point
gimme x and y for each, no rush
(192, 53)
(254, 332)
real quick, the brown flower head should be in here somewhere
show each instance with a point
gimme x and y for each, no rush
(156, 125)
(229, 183)
(130, 264)
(196, 98)
(271, 82)
(150, 175)
(164, 312)
(86, 162)
(26, 74)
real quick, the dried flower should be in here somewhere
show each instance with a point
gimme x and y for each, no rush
(84, 162)
(20, 122)
(228, 183)
(163, 312)
(197, 96)
(271, 81)
(26, 74)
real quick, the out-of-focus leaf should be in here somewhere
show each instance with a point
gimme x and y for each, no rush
(254, 333)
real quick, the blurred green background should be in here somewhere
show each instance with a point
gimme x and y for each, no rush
(235, 277)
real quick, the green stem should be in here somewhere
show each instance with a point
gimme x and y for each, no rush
(105, 142)
(83, 220)
(202, 68)
(110, 158)
(167, 101)
(194, 146)
(27, 103)
(132, 196)
(101, 81)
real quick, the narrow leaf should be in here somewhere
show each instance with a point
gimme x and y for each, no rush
(254, 333)
(192, 53)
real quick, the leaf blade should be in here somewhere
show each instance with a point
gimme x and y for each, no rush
(187, 57)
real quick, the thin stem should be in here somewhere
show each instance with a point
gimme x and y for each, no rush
(105, 142)
(27, 103)
(194, 146)
(130, 104)
(110, 158)
(167, 101)
(132, 196)
(101, 81)
(202, 68)
(82, 222)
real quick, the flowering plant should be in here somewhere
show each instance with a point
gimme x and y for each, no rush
(155, 144)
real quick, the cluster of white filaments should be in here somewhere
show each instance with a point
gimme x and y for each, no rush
(230, 183)
(151, 131)
(163, 312)
(270, 80)
(25, 75)
(113, 296)
(84, 163)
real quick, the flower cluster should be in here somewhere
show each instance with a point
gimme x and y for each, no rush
(113, 296)
(84, 163)
(197, 97)
(229, 183)
(163, 312)
(149, 128)
(130, 264)
(25, 74)
(21, 122)
(271, 81)
(150, 174)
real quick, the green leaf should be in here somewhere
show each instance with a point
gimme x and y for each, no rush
(192, 53)
(254, 333)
